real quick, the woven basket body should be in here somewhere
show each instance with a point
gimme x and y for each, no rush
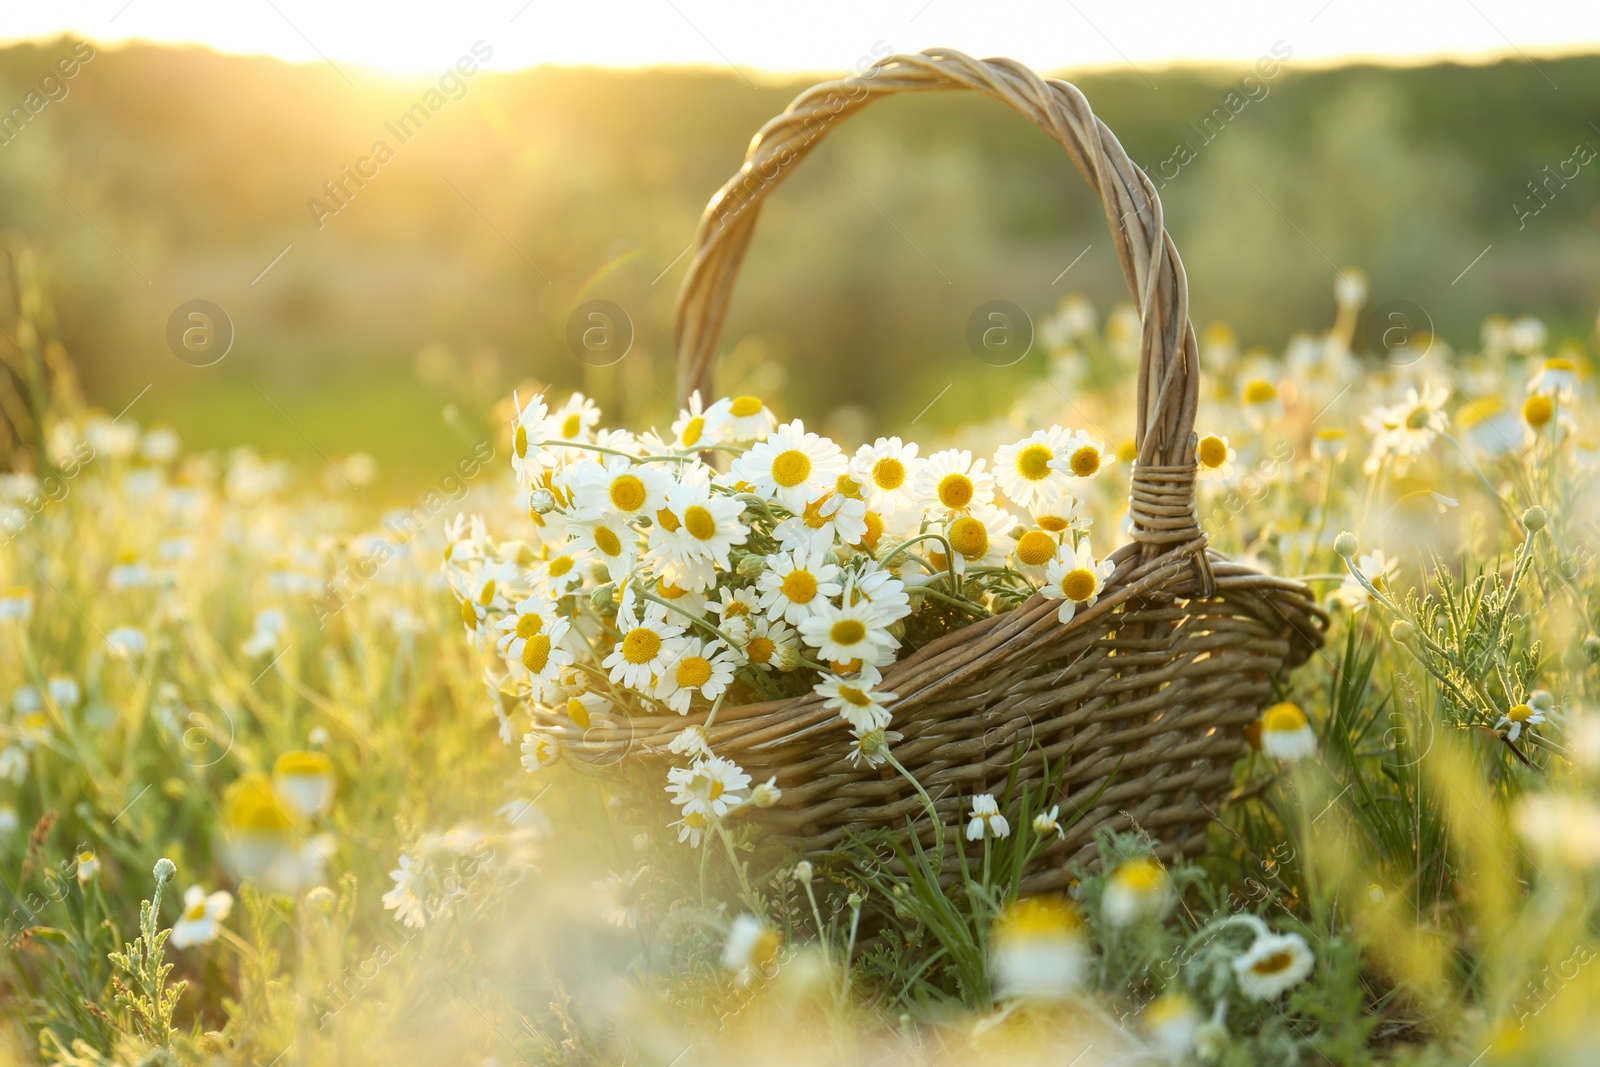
(1150, 688)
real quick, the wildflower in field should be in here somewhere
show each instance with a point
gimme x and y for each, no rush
(1517, 717)
(791, 467)
(691, 828)
(267, 634)
(698, 667)
(1075, 579)
(1331, 444)
(952, 481)
(797, 584)
(711, 786)
(1489, 425)
(887, 472)
(772, 645)
(16, 604)
(1560, 827)
(405, 899)
(1172, 1025)
(752, 948)
(539, 749)
(575, 420)
(1259, 398)
(1025, 470)
(127, 643)
(88, 864)
(872, 746)
(128, 572)
(1082, 458)
(1286, 734)
(857, 699)
(202, 917)
(620, 896)
(1526, 335)
(33, 728)
(1214, 458)
(1408, 429)
(647, 645)
(1038, 949)
(303, 781)
(1378, 569)
(1138, 890)
(261, 840)
(986, 820)
(1049, 822)
(1272, 965)
(741, 418)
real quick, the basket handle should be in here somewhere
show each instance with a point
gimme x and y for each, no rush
(1163, 482)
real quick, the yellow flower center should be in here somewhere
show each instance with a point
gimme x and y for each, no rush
(196, 911)
(888, 474)
(700, 523)
(745, 406)
(760, 650)
(667, 520)
(969, 537)
(848, 486)
(670, 591)
(694, 820)
(693, 429)
(1053, 523)
(1078, 584)
(874, 523)
(1418, 417)
(1086, 461)
(1213, 451)
(813, 516)
(1260, 391)
(800, 587)
(1142, 875)
(536, 653)
(1035, 548)
(765, 952)
(469, 614)
(572, 426)
(522, 441)
(560, 565)
(735, 608)
(852, 695)
(847, 632)
(486, 594)
(528, 625)
(607, 541)
(1560, 363)
(641, 645)
(1520, 713)
(1038, 917)
(1033, 462)
(1538, 411)
(627, 492)
(956, 491)
(790, 468)
(578, 712)
(694, 671)
(1284, 718)
(1276, 963)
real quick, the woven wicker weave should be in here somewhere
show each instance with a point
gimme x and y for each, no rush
(1151, 687)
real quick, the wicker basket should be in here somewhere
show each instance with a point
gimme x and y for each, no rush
(1151, 687)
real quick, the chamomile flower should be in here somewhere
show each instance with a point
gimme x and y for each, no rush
(559, 572)
(1260, 400)
(752, 948)
(857, 699)
(1081, 458)
(986, 820)
(1273, 965)
(529, 458)
(691, 742)
(698, 523)
(616, 485)
(853, 631)
(829, 518)
(887, 472)
(1519, 716)
(534, 614)
(202, 917)
(795, 584)
(304, 783)
(540, 749)
(1027, 472)
(64, 690)
(608, 540)
(741, 418)
(575, 420)
(792, 466)
(1060, 515)
(536, 655)
(978, 537)
(710, 786)
(1034, 550)
(1558, 377)
(1138, 890)
(952, 481)
(1048, 822)
(882, 590)
(648, 645)
(1172, 1024)
(772, 644)
(872, 746)
(1331, 444)
(699, 667)
(1286, 734)
(736, 609)
(16, 604)
(1214, 458)
(1075, 579)
(1378, 569)
(1407, 429)
(692, 429)
(1038, 949)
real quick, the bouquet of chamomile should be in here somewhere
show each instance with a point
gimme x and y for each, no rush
(742, 560)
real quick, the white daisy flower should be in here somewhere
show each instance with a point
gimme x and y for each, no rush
(887, 472)
(16, 604)
(872, 746)
(1286, 734)
(647, 646)
(1049, 822)
(1172, 1024)
(693, 429)
(881, 589)
(202, 917)
(529, 458)
(857, 699)
(979, 537)
(697, 523)
(1024, 470)
(1082, 459)
(736, 611)
(539, 749)
(692, 742)
(615, 485)
(1075, 579)
(691, 828)
(538, 657)
(575, 420)
(752, 948)
(303, 782)
(1378, 569)
(795, 584)
(64, 690)
(1038, 949)
(1034, 550)
(405, 899)
(1407, 429)
(792, 466)
(608, 539)
(986, 819)
(772, 644)
(1558, 377)
(127, 642)
(831, 517)
(1214, 458)
(743, 418)
(559, 572)
(709, 786)
(1060, 515)
(1259, 398)
(951, 481)
(1519, 716)
(1273, 965)
(703, 667)
(1138, 890)
(854, 631)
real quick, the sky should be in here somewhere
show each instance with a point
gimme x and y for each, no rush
(764, 37)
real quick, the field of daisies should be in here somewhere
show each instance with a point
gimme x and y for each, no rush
(288, 779)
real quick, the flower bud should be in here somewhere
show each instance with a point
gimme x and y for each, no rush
(1535, 519)
(751, 566)
(803, 872)
(1346, 544)
(165, 869)
(541, 501)
(1403, 631)
(766, 794)
(320, 898)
